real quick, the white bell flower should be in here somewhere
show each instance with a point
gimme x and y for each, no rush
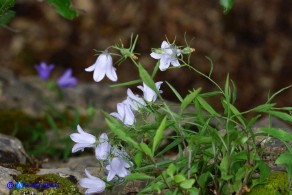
(102, 67)
(149, 94)
(124, 114)
(169, 55)
(94, 184)
(82, 139)
(103, 147)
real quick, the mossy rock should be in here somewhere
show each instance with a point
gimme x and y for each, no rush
(276, 184)
(48, 184)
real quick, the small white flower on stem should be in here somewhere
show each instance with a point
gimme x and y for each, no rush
(117, 166)
(124, 114)
(169, 55)
(102, 67)
(149, 94)
(82, 139)
(103, 147)
(94, 184)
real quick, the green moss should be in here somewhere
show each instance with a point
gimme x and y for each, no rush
(276, 183)
(64, 186)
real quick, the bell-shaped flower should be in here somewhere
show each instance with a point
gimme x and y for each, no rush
(117, 166)
(82, 139)
(44, 70)
(103, 147)
(124, 114)
(149, 94)
(102, 67)
(67, 80)
(94, 184)
(168, 55)
(134, 101)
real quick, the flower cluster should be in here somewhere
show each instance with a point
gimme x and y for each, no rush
(117, 159)
(64, 81)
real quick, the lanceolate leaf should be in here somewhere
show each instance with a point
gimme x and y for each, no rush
(147, 79)
(188, 99)
(281, 115)
(278, 133)
(63, 7)
(159, 134)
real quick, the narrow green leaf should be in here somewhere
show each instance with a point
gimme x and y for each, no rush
(211, 65)
(227, 89)
(138, 158)
(146, 149)
(174, 91)
(64, 8)
(281, 115)
(4, 19)
(207, 106)
(146, 78)
(188, 99)
(125, 84)
(159, 134)
(284, 159)
(236, 113)
(278, 133)
(138, 176)
(120, 133)
(155, 69)
(227, 5)
(278, 92)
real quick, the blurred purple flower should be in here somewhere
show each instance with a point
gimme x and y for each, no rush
(44, 70)
(67, 80)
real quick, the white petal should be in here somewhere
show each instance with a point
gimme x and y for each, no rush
(81, 146)
(158, 84)
(175, 63)
(155, 55)
(111, 73)
(99, 73)
(110, 175)
(90, 68)
(164, 45)
(116, 115)
(164, 63)
(83, 138)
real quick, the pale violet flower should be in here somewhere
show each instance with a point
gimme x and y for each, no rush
(117, 166)
(103, 147)
(168, 55)
(67, 80)
(82, 139)
(102, 67)
(44, 70)
(124, 114)
(149, 94)
(134, 101)
(94, 184)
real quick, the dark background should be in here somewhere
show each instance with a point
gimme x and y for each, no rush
(252, 43)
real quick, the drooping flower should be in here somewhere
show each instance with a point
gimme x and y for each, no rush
(124, 114)
(94, 184)
(82, 139)
(44, 70)
(168, 55)
(117, 166)
(149, 94)
(103, 147)
(134, 101)
(67, 80)
(102, 67)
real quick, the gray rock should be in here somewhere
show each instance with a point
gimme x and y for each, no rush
(31, 95)
(11, 150)
(5, 178)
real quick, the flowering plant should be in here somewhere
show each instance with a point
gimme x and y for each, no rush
(216, 152)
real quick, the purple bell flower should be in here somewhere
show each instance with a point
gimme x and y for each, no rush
(67, 80)
(44, 70)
